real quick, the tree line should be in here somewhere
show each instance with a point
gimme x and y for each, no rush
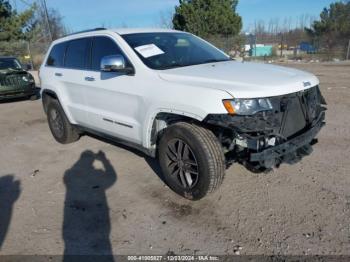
(219, 18)
(207, 18)
(333, 27)
(30, 31)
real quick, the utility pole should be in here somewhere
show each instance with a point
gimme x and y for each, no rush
(47, 19)
(281, 45)
(30, 55)
(348, 53)
(255, 42)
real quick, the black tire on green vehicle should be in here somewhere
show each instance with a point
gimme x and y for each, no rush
(60, 127)
(191, 159)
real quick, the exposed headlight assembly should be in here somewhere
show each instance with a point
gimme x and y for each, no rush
(247, 107)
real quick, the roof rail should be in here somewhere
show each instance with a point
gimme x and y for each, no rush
(89, 30)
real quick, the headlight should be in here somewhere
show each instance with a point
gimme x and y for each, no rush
(247, 106)
(27, 79)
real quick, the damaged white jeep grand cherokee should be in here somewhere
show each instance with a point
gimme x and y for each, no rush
(176, 97)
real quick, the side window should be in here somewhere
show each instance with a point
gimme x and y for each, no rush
(56, 55)
(77, 53)
(103, 46)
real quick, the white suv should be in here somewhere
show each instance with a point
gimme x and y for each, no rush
(176, 97)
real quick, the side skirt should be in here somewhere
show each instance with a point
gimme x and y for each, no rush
(116, 141)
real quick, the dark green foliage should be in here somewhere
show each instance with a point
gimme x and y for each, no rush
(333, 28)
(13, 25)
(208, 17)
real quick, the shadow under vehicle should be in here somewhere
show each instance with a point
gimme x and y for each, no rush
(15, 81)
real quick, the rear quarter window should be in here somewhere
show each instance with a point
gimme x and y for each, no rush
(56, 55)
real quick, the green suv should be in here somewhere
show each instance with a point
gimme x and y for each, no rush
(15, 81)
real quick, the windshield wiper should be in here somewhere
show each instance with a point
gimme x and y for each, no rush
(172, 66)
(205, 62)
(214, 61)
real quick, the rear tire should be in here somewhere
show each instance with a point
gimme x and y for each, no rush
(61, 129)
(192, 160)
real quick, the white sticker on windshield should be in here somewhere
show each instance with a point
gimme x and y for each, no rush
(149, 50)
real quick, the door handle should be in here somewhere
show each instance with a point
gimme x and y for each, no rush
(58, 74)
(90, 79)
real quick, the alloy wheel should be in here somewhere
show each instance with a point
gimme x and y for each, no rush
(182, 164)
(56, 122)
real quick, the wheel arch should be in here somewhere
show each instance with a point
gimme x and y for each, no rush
(46, 95)
(161, 120)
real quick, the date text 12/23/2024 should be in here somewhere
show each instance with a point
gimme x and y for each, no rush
(173, 258)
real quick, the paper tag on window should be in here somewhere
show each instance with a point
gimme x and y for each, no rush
(149, 50)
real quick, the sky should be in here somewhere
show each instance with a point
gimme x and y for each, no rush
(87, 14)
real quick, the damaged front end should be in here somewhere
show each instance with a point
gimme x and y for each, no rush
(16, 83)
(266, 139)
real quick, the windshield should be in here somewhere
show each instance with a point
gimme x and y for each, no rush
(7, 63)
(170, 50)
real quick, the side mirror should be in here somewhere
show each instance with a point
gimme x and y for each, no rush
(115, 63)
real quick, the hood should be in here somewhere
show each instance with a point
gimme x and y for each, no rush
(243, 80)
(11, 71)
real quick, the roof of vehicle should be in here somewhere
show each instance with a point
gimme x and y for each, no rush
(120, 31)
(125, 31)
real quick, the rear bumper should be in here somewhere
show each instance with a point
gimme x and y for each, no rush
(291, 150)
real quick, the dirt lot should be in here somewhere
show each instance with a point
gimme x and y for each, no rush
(72, 199)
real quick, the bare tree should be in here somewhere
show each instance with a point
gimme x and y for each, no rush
(166, 19)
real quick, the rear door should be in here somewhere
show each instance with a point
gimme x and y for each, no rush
(113, 101)
(72, 74)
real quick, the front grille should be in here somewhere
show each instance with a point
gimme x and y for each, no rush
(300, 110)
(12, 80)
(293, 119)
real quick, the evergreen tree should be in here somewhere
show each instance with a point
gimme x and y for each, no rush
(13, 25)
(208, 17)
(333, 28)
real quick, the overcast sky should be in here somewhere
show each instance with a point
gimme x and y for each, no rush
(84, 14)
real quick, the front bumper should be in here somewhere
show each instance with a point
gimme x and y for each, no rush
(291, 150)
(19, 94)
(267, 139)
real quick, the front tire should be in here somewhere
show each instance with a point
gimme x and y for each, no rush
(61, 129)
(192, 160)
(33, 97)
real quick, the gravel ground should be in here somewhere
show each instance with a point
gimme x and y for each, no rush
(93, 197)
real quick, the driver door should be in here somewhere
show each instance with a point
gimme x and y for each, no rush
(113, 102)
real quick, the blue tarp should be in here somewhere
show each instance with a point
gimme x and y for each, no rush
(307, 47)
